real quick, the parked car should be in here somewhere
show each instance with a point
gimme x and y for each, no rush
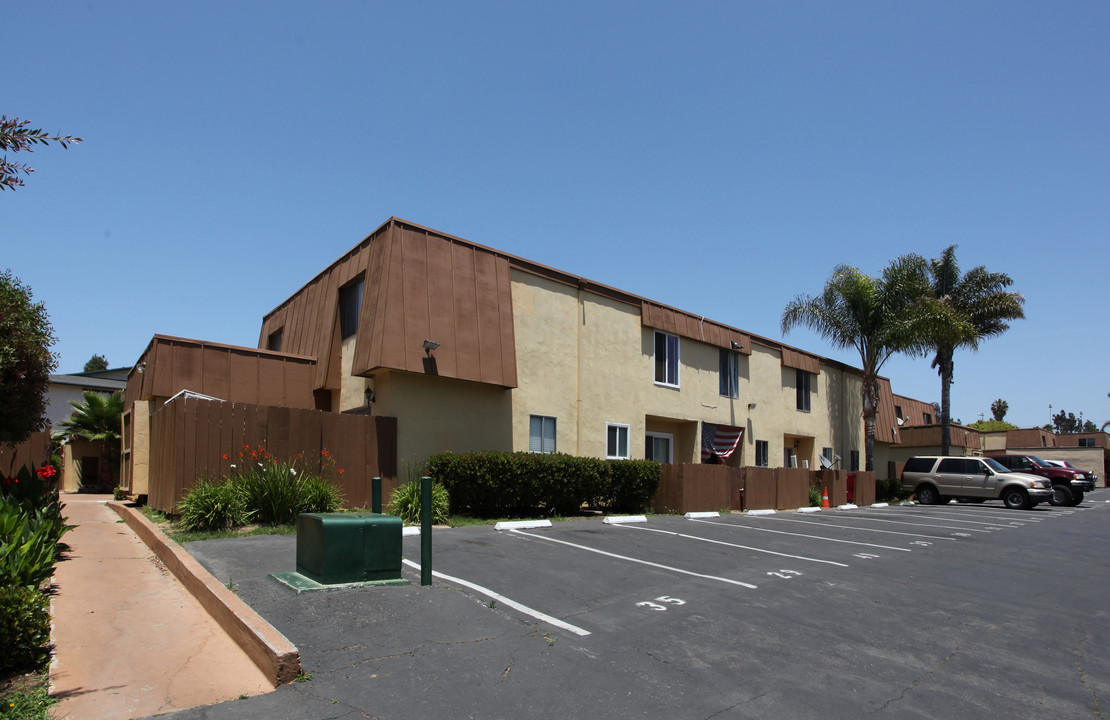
(1068, 484)
(937, 478)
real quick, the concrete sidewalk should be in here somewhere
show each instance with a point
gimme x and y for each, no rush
(129, 641)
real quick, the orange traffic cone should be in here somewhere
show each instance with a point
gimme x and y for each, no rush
(825, 499)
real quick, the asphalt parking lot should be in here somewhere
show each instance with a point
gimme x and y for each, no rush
(958, 610)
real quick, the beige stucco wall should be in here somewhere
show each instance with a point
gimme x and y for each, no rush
(140, 448)
(587, 361)
(436, 414)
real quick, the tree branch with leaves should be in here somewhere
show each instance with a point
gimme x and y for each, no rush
(16, 136)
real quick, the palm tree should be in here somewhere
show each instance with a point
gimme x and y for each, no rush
(977, 300)
(876, 316)
(97, 419)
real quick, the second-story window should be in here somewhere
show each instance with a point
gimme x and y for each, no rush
(730, 373)
(803, 385)
(666, 359)
(350, 301)
(273, 342)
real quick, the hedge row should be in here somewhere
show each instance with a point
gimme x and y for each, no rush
(499, 484)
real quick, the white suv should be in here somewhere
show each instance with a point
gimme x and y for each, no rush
(936, 479)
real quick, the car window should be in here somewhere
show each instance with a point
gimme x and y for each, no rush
(919, 464)
(951, 465)
(973, 467)
(995, 465)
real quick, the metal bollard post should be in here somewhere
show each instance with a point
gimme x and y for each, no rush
(376, 495)
(426, 530)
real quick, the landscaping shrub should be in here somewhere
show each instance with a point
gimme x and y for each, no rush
(262, 489)
(406, 503)
(213, 505)
(887, 489)
(500, 484)
(24, 628)
(31, 525)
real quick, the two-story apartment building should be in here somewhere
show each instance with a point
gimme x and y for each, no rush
(472, 348)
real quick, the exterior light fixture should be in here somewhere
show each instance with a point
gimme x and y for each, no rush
(142, 369)
(369, 393)
(751, 406)
(735, 345)
(430, 346)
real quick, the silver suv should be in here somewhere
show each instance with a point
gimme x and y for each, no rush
(936, 479)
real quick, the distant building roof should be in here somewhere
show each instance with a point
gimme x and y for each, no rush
(107, 380)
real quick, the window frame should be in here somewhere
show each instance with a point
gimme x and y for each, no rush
(274, 340)
(762, 453)
(627, 441)
(542, 436)
(665, 363)
(803, 385)
(350, 308)
(669, 437)
(729, 366)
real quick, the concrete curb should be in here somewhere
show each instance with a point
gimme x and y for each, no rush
(271, 651)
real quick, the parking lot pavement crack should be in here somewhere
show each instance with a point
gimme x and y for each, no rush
(917, 681)
(1080, 665)
(343, 710)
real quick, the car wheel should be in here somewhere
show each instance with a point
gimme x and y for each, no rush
(928, 495)
(1060, 495)
(1016, 499)
(1076, 498)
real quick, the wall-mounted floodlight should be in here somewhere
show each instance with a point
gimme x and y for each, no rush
(369, 393)
(735, 345)
(430, 346)
(751, 406)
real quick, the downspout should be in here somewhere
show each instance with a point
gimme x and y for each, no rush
(578, 376)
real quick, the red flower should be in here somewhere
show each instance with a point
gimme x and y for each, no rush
(47, 471)
(225, 456)
(340, 471)
(324, 452)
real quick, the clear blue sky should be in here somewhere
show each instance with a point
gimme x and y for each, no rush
(718, 157)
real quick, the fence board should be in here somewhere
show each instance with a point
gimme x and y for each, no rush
(35, 450)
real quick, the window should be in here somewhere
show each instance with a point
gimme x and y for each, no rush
(541, 434)
(828, 453)
(274, 341)
(788, 459)
(658, 447)
(730, 373)
(1086, 442)
(802, 383)
(927, 418)
(616, 442)
(761, 453)
(666, 359)
(898, 411)
(350, 301)
(853, 458)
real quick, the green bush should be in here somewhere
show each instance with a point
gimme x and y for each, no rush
(887, 489)
(28, 543)
(24, 628)
(406, 503)
(500, 484)
(213, 505)
(318, 495)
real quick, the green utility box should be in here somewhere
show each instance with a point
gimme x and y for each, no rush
(334, 548)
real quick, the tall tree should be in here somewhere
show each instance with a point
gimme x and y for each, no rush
(979, 300)
(877, 316)
(999, 408)
(25, 360)
(95, 363)
(97, 419)
(16, 136)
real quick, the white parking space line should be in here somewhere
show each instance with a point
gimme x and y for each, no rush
(857, 528)
(949, 518)
(868, 518)
(634, 560)
(812, 537)
(544, 617)
(742, 547)
(973, 511)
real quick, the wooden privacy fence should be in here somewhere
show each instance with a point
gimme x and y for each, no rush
(691, 488)
(35, 450)
(192, 438)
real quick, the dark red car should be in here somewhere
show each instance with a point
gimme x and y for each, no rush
(1068, 484)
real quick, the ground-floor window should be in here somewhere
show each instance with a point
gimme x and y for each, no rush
(659, 447)
(541, 434)
(761, 449)
(853, 461)
(616, 442)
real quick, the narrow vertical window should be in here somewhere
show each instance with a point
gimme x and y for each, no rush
(761, 450)
(541, 434)
(273, 342)
(730, 373)
(616, 442)
(802, 383)
(350, 301)
(853, 464)
(666, 359)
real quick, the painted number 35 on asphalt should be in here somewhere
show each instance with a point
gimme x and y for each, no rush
(656, 606)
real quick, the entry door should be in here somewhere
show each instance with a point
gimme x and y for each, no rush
(659, 447)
